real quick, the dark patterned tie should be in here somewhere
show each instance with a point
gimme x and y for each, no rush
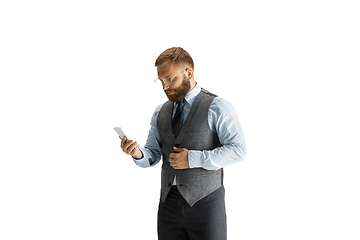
(176, 122)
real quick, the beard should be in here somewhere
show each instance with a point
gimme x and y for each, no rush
(180, 92)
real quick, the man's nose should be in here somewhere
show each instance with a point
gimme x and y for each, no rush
(165, 86)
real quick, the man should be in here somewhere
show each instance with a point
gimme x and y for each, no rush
(197, 134)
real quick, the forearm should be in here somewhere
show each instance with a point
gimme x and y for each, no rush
(218, 158)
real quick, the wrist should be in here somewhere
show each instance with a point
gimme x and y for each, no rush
(138, 155)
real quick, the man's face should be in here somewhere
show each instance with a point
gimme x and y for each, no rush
(180, 84)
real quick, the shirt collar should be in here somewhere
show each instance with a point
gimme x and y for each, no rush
(191, 96)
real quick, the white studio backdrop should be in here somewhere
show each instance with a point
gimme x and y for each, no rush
(70, 71)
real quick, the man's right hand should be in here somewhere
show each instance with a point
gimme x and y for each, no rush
(131, 148)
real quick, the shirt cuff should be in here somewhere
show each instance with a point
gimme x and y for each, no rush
(195, 160)
(144, 161)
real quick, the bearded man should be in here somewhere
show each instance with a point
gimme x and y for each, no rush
(196, 134)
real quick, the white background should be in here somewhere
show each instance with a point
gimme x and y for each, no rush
(70, 71)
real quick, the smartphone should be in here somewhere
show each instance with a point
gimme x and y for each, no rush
(122, 133)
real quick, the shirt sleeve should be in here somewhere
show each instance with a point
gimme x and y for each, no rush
(224, 121)
(152, 149)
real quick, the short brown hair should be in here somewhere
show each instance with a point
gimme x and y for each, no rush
(175, 55)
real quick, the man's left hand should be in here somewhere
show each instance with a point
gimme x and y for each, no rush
(179, 160)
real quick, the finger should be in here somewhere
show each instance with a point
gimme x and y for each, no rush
(123, 141)
(178, 149)
(129, 146)
(172, 160)
(173, 164)
(132, 147)
(125, 145)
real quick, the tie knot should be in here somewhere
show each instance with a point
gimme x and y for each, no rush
(179, 106)
(181, 102)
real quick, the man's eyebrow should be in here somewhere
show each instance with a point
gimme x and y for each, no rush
(168, 76)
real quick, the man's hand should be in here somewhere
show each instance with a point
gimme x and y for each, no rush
(179, 160)
(131, 148)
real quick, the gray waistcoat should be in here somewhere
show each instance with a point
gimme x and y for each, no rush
(195, 134)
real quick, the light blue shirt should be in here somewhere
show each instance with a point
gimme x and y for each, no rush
(223, 120)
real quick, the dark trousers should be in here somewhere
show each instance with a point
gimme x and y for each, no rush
(206, 220)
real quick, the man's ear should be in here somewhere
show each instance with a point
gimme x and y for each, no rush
(189, 73)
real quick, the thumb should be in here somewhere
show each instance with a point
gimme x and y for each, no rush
(178, 149)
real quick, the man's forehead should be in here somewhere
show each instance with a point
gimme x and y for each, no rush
(167, 69)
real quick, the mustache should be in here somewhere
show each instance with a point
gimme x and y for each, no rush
(170, 90)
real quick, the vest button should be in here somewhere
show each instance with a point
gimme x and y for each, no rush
(180, 185)
(169, 184)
